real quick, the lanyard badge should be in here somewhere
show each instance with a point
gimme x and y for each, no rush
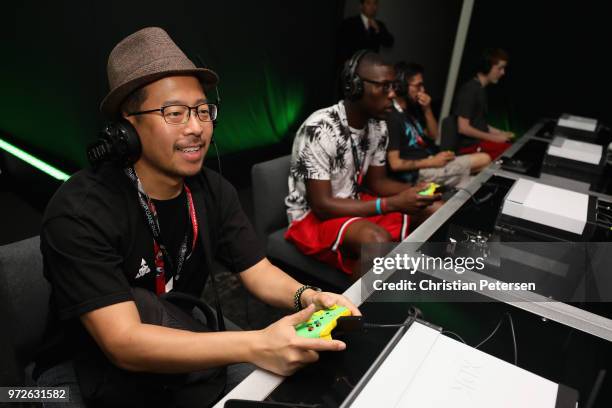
(161, 254)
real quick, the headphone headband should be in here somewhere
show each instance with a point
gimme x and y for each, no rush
(352, 83)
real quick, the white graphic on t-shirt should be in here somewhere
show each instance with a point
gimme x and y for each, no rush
(323, 149)
(144, 269)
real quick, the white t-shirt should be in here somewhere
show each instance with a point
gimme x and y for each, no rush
(323, 150)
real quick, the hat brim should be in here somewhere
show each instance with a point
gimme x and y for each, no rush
(112, 101)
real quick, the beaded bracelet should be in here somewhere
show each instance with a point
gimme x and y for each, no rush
(297, 298)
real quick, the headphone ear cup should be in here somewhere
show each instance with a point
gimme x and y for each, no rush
(352, 83)
(128, 143)
(347, 80)
(357, 88)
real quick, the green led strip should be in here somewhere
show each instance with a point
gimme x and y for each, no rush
(39, 164)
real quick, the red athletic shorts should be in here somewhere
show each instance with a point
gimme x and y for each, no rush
(322, 239)
(493, 149)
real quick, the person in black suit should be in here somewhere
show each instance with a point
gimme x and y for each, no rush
(362, 32)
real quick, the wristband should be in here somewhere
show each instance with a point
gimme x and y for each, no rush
(383, 205)
(378, 209)
(297, 298)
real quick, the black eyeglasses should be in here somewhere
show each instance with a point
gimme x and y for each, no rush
(386, 86)
(180, 114)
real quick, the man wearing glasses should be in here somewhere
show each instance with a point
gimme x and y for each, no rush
(413, 129)
(339, 194)
(118, 239)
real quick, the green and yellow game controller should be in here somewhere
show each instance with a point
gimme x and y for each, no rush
(321, 323)
(430, 190)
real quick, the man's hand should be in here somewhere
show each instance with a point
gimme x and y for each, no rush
(424, 100)
(503, 137)
(280, 350)
(324, 300)
(410, 202)
(441, 159)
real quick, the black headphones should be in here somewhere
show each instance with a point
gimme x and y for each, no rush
(352, 84)
(118, 142)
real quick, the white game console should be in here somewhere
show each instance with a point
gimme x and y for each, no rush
(577, 122)
(584, 152)
(427, 369)
(546, 205)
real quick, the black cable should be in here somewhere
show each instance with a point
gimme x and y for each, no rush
(486, 197)
(385, 326)
(218, 157)
(490, 335)
(495, 331)
(467, 191)
(454, 334)
(513, 339)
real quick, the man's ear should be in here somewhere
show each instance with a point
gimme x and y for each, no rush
(131, 119)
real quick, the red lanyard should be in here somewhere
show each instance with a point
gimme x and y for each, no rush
(159, 249)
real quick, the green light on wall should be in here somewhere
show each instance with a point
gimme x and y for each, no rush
(39, 164)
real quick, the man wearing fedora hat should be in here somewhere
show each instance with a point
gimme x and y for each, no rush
(118, 240)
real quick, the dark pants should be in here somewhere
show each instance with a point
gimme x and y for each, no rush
(63, 375)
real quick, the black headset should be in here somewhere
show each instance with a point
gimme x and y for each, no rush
(352, 84)
(118, 142)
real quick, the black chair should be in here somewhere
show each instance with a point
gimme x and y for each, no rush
(449, 133)
(24, 297)
(270, 187)
(25, 293)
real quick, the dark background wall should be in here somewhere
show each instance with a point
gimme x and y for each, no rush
(559, 59)
(424, 32)
(275, 59)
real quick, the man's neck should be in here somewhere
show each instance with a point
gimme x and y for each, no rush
(355, 116)
(157, 185)
(484, 81)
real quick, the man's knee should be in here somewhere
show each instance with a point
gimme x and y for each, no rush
(480, 160)
(375, 234)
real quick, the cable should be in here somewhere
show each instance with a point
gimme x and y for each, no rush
(492, 333)
(356, 323)
(454, 334)
(486, 197)
(513, 339)
(466, 190)
(218, 158)
(495, 331)
(385, 326)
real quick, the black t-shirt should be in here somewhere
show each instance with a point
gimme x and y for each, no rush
(96, 245)
(407, 134)
(471, 103)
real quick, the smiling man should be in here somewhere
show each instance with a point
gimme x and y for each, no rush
(118, 240)
(339, 194)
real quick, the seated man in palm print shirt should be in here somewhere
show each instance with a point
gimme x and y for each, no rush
(338, 153)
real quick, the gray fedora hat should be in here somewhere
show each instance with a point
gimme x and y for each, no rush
(144, 57)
